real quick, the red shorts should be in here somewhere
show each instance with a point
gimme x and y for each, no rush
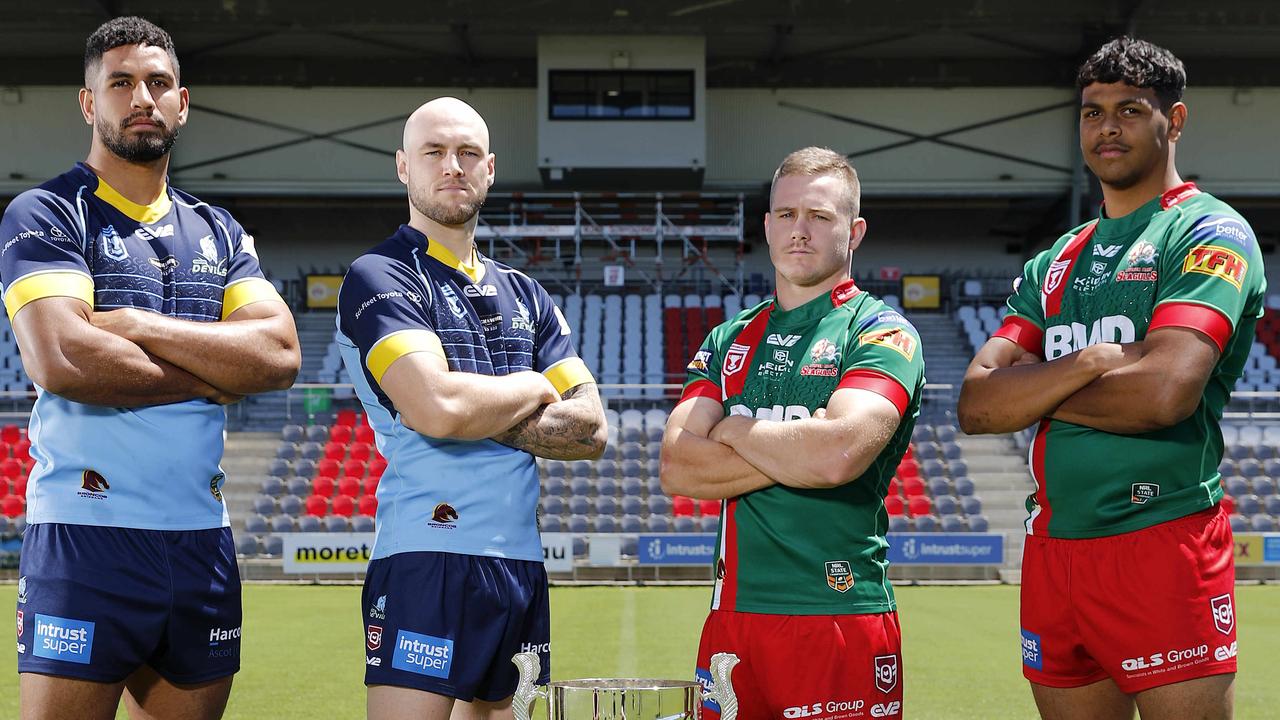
(1146, 608)
(807, 667)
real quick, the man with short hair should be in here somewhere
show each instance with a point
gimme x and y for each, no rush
(466, 371)
(797, 412)
(138, 310)
(1123, 342)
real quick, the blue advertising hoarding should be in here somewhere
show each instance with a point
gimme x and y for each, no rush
(946, 549)
(676, 549)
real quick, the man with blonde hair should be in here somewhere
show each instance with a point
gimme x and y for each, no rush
(796, 412)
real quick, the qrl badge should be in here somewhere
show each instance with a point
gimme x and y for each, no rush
(886, 673)
(373, 638)
(19, 624)
(1224, 616)
(839, 576)
(735, 358)
(1053, 279)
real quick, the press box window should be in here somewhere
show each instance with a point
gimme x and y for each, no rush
(627, 95)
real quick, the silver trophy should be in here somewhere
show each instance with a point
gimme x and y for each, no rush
(625, 698)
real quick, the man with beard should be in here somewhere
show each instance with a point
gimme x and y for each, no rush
(466, 371)
(139, 310)
(1122, 345)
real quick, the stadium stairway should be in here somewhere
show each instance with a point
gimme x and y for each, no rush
(269, 411)
(999, 471)
(946, 354)
(245, 461)
(315, 332)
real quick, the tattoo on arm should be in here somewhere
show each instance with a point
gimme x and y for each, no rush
(564, 430)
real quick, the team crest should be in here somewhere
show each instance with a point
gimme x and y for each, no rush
(19, 624)
(824, 351)
(735, 358)
(373, 638)
(455, 305)
(1144, 253)
(22, 590)
(207, 249)
(522, 319)
(1224, 615)
(1057, 271)
(886, 673)
(839, 576)
(112, 244)
(208, 261)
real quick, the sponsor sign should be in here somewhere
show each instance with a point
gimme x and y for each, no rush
(319, 553)
(896, 339)
(946, 549)
(422, 654)
(1271, 549)
(557, 552)
(921, 291)
(1250, 548)
(1032, 652)
(65, 639)
(615, 275)
(677, 549)
(1218, 262)
(322, 291)
(704, 679)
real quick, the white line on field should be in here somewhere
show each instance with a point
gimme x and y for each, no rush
(627, 635)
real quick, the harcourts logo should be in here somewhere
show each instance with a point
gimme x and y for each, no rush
(422, 654)
(63, 639)
(1031, 655)
(218, 635)
(535, 647)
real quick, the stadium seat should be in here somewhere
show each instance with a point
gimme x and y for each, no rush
(660, 505)
(945, 505)
(273, 486)
(337, 524)
(709, 523)
(317, 505)
(369, 485)
(551, 505)
(4, 487)
(283, 523)
(279, 468)
(977, 523)
(952, 523)
(682, 507)
(927, 451)
(323, 486)
(607, 487)
(346, 417)
(273, 545)
(913, 487)
(919, 505)
(264, 505)
(632, 486)
(293, 433)
(932, 469)
(1238, 523)
(364, 434)
(317, 433)
(362, 524)
(1248, 504)
(658, 524)
(898, 523)
(247, 545)
(1264, 486)
(578, 524)
(971, 505)
(606, 505)
(10, 434)
(335, 450)
(340, 434)
(939, 486)
(1263, 523)
(926, 523)
(304, 468)
(298, 486)
(311, 451)
(22, 450)
(255, 525)
(684, 524)
(581, 487)
(579, 505)
(556, 486)
(709, 508)
(893, 505)
(377, 465)
(1228, 504)
(1235, 485)
(353, 468)
(11, 506)
(908, 468)
(308, 524)
(328, 468)
(361, 451)
(957, 468)
(10, 468)
(349, 487)
(964, 486)
(951, 451)
(945, 433)
(551, 523)
(1249, 468)
(633, 505)
(631, 524)
(605, 524)
(368, 505)
(291, 505)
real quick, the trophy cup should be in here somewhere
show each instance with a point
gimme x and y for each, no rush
(624, 698)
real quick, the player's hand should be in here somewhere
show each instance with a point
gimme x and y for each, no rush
(727, 429)
(1027, 358)
(538, 385)
(1105, 357)
(225, 398)
(123, 322)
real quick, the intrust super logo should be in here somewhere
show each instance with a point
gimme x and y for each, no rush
(65, 639)
(1217, 261)
(423, 654)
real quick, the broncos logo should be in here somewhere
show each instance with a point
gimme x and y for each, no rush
(94, 482)
(444, 513)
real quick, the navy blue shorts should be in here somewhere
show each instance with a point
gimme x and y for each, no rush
(449, 624)
(97, 603)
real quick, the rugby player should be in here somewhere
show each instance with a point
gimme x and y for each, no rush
(138, 310)
(797, 412)
(1122, 344)
(466, 371)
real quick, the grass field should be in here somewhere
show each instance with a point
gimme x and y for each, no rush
(303, 648)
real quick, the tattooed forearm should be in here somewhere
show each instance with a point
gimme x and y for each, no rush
(572, 429)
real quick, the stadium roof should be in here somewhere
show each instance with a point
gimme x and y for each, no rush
(750, 43)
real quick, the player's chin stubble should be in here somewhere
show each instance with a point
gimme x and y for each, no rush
(446, 213)
(143, 148)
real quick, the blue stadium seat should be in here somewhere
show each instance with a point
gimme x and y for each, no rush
(939, 486)
(610, 452)
(579, 505)
(631, 434)
(606, 469)
(552, 505)
(311, 451)
(927, 451)
(922, 433)
(629, 546)
(964, 486)
(557, 487)
(932, 469)
(256, 525)
(304, 468)
(709, 523)
(685, 524)
(247, 545)
(632, 487)
(282, 523)
(273, 486)
(653, 451)
(298, 487)
(977, 523)
(658, 523)
(264, 505)
(1235, 485)
(551, 523)
(337, 524)
(362, 524)
(579, 547)
(291, 505)
(659, 505)
(898, 523)
(318, 433)
(605, 524)
(952, 523)
(606, 505)
(554, 469)
(971, 505)
(1238, 523)
(279, 468)
(607, 487)
(652, 466)
(580, 487)
(945, 505)
(951, 451)
(1270, 468)
(273, 545)
(1263, 523)
(945, 433)
(286, 451)
(957, 468)
(632, 468)
(630, 451)
(926, 523)
(1227, 467)
(293, 433)
(1271, 505)
(1239, 452)
(580, 469)
(579, 524)
(310, 524)
(1248, 505)
(654, 435)
(1265, 451)
(631, 524)
(1264, 487)
(1249, 468)
(653, 485)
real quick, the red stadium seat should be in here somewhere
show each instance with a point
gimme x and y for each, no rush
(893, 504)
(10, 434)
(344, 506)
(368, 505)
(361, 451)
(682, 506)
(346, 417)
(377, 466)
(913, 487)
(22, 449)
(371, 484)
(328, 468)
(340, 434)
(10, 468)
(908, 469)
(26, 467)
(20, 486)
(920, 505)
(4, 488)
(354, 468)
(709, 508)
(322, 486)
(349, 486)
(318, 506)
(335, 450)
(715, 316)
(12, 506)
(364, 434)
(910, 454)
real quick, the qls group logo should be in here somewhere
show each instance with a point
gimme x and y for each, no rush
(423, 654)
(64, 639)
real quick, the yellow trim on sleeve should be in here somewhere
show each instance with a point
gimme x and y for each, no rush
(568, 373)
(472, 268)
(246, 292)
(396, 345)
(149, 213)
(48, 283)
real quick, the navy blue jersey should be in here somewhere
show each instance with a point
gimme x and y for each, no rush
(153, 467)
(411, 295)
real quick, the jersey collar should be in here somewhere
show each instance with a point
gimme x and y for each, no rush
(148, 214)
(473, 268)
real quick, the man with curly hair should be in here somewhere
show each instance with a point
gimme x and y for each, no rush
(1122, 345)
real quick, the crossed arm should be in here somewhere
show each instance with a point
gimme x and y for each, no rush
(133, 358)
(1126, 389)
(706, 455)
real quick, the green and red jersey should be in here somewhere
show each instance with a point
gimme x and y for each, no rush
(1185, 259)
(809, 552)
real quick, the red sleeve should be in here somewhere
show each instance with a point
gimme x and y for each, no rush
(878, 383)
(1197, 317)
(1023, 332)
(701, 388)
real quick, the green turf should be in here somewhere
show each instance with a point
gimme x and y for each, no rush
(303, 648)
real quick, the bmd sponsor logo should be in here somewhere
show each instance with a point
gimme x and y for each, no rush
(1061, 340)
(65, 639)
(423, 654)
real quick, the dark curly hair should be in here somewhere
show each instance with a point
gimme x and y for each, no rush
(1138, 63)
(128, 30)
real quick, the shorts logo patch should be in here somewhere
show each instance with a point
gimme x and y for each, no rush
(1032, 656)
(372, 661)
(422, 654)
(1142, 492)
(839, 576)
(1225, 652)
(1224, 615)
(884, 710)
(704, 679)
(1218, 262)
(886, 673)
(379, 609)
(20, 626)
(373, 638)
(22, 590)
(64, 639)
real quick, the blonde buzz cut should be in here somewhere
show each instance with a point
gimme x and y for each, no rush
(822, 161)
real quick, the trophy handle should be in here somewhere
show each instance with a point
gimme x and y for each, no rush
(721, 691)
(529, 666)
